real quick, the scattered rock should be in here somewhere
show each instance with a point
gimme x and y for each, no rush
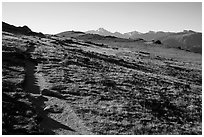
(157, 42)
(53, 109)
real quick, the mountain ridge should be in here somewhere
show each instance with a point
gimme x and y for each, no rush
(186, 40)
(136, 34)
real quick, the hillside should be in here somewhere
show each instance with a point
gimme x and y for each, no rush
(189, 41)
(19, 30)
(68, 86)
(71, 34)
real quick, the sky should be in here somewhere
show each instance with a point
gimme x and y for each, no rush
(56, 17)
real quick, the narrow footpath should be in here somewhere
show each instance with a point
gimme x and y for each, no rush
(64, 123)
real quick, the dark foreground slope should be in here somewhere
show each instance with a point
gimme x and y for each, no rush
(20, 30)
(18, 113)
(94, 89)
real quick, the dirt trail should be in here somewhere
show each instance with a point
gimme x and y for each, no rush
(65, 123)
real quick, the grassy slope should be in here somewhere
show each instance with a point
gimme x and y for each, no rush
(153, 49)
(135, 93)
(136, 90)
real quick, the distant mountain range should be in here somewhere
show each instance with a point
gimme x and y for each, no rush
(188, 40)
(151, 35)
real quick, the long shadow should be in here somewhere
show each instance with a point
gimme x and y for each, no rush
(47, 124)
(52, 124)
(30, 86)
(30, 81)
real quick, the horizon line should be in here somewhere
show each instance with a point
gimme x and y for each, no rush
(156, 31)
